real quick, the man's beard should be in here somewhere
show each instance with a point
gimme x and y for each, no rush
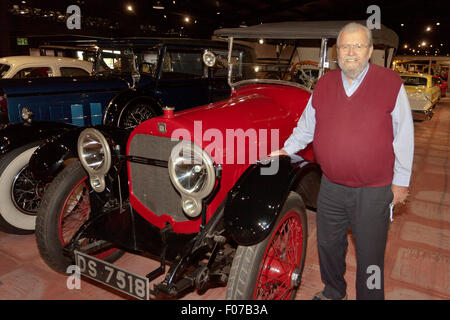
(353, 73)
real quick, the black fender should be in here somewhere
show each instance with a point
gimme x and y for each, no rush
(256, 199)
(125, 99)
(15, 135)
(49, 158)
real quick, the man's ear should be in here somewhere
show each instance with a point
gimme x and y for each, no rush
(370, 51)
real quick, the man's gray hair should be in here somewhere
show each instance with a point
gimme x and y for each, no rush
(354, 26)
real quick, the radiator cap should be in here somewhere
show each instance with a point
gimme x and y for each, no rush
(168, 112)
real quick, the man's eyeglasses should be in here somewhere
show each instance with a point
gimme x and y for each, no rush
(356, 47)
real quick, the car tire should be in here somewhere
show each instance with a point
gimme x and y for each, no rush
(12, 219)
(251, 270)
(65, 204)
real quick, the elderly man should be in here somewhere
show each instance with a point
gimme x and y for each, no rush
(360, 123)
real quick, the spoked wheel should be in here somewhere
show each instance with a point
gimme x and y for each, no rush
(64, 209)
(272, 269)
(27, 192)
(135, 115)
(20, 194)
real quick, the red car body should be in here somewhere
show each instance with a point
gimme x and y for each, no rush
(257, 102)
(441, 83)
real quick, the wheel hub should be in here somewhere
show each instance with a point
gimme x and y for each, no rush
(295, 278)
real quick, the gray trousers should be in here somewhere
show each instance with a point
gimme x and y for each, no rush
(366, 211)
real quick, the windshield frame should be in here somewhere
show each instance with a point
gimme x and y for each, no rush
(234, 85)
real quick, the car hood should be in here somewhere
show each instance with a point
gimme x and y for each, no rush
(251, 111)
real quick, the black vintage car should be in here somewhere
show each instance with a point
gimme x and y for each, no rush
(133, 80)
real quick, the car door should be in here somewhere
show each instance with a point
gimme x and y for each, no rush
(183, 78)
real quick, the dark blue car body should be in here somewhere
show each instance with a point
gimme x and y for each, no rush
(83, 101)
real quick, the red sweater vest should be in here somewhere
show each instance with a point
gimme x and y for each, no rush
(353, 135)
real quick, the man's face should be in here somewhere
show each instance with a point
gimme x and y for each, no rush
(353, 52)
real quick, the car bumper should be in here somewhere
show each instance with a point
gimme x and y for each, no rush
(422, 115)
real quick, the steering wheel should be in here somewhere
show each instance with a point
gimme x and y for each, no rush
(302, 74)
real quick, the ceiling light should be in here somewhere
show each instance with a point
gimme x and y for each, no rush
(186, 19)
(438, 23)
(428, 28)
(402, 24)
(130, 8)
(261, 41)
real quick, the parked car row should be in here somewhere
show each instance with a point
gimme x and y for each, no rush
(194, 187)
(133, 80)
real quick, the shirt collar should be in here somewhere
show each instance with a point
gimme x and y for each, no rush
(357, 80)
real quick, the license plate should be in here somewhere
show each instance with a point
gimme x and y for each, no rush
(113, 276)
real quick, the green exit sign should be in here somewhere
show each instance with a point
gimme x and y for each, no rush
(22, 41)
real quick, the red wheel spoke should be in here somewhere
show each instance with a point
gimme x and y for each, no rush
(75, 212)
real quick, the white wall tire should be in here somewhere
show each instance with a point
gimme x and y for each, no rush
(13, 220)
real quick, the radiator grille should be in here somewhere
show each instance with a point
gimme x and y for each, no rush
(151, 184)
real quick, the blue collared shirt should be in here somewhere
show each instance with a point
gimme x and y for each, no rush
(402, 124)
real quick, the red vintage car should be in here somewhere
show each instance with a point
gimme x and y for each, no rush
(442, 84)
(196, 188)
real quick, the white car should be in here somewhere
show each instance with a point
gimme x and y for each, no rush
(20, 67)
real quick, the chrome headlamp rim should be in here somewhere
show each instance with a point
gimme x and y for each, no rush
(194, 198)
(97, 176)
(208, 186)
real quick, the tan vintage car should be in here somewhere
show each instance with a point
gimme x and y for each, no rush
(422, 94)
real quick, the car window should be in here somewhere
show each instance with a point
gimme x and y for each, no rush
(3, 69)
(35, 72)
(73, 72)
(147, 61)
(414, 81)
(182, 65)
(115, 61)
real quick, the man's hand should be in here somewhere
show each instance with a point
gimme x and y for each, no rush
(400, 194)
(280, 152)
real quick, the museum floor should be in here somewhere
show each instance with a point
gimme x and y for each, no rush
(417, 255)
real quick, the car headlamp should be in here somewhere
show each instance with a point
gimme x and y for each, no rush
(95, 156)
(192, 172)
(27, 114)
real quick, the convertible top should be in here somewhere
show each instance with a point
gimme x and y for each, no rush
(305, 30)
